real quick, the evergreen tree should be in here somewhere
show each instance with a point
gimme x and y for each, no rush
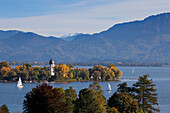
(70, 97)
(98, 92)
(91, 100)
(123, 88)
(88, 103)
(146, 94)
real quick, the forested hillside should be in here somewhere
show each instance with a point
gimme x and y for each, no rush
(142, 41)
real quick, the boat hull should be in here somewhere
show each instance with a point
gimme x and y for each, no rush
(19, 86)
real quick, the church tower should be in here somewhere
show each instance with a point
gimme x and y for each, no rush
(51, 63)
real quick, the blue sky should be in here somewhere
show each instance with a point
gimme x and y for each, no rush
(64, 17)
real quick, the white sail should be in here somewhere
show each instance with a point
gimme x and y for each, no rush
(109, 87)
(19, 85)
(133, 70)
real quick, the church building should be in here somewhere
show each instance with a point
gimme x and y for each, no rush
(51, 63)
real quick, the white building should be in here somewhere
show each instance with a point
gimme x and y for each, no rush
(51, 63)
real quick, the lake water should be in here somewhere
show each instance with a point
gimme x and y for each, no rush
(13, 97)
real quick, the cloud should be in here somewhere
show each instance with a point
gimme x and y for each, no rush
(87, 16)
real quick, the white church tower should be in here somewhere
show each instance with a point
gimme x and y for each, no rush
(51, 63)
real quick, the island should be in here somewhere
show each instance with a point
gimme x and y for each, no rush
(58, 73)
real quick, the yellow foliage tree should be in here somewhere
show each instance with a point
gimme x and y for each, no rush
(20, 68)
(4, 64)
(70, 75)
(5, 71)
(98, 68)
(115, 69)
(62, 70)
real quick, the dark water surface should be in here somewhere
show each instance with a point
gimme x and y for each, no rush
(13, 97)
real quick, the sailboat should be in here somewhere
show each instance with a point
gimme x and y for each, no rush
(19, 85)
(109, 87)
(133, 70)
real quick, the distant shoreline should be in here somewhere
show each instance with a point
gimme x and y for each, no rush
(134, 64)
(58, 81)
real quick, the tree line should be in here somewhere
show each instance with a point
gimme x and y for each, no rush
(140, 98)
(62, 72)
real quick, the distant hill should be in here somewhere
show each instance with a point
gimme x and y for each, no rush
(139, 41)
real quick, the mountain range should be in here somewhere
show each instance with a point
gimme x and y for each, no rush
(146, 40)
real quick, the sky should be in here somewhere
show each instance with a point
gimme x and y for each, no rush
(66, 17)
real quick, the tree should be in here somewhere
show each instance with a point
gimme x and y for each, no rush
(4, 72)
(146, 94)
(4, 109)
(4, 64)
(44, 99)
(27, 66)
(98, 93)
(44, 75)
(88, 102)
(112, 110)
(24, 74)
(84, 74)
(103, 74)
(91, 100)
(71, 75)
(70, 97)
(71, 65)
(11, 75)
(62, 70)
(111, 65)
(123, 88)
(97, 75)
(118, 74)
(123, 102)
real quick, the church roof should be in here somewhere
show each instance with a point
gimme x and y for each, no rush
(51, 61)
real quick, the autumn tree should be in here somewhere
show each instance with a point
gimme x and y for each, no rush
(111, 65)
(4, 72)
(103, 73)
(123, 102)
(146, 94)
(71, 75)
(4, 64)
(62, 70)
(11, 75)
(44, 99)
(4, 109)
(20, 68)
(27, 66)
(112, 110)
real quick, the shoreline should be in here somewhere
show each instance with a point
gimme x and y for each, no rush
(58, 81)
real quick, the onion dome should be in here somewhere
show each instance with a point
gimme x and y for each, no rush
(51, 61)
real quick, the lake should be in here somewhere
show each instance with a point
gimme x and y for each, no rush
(13, 97)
